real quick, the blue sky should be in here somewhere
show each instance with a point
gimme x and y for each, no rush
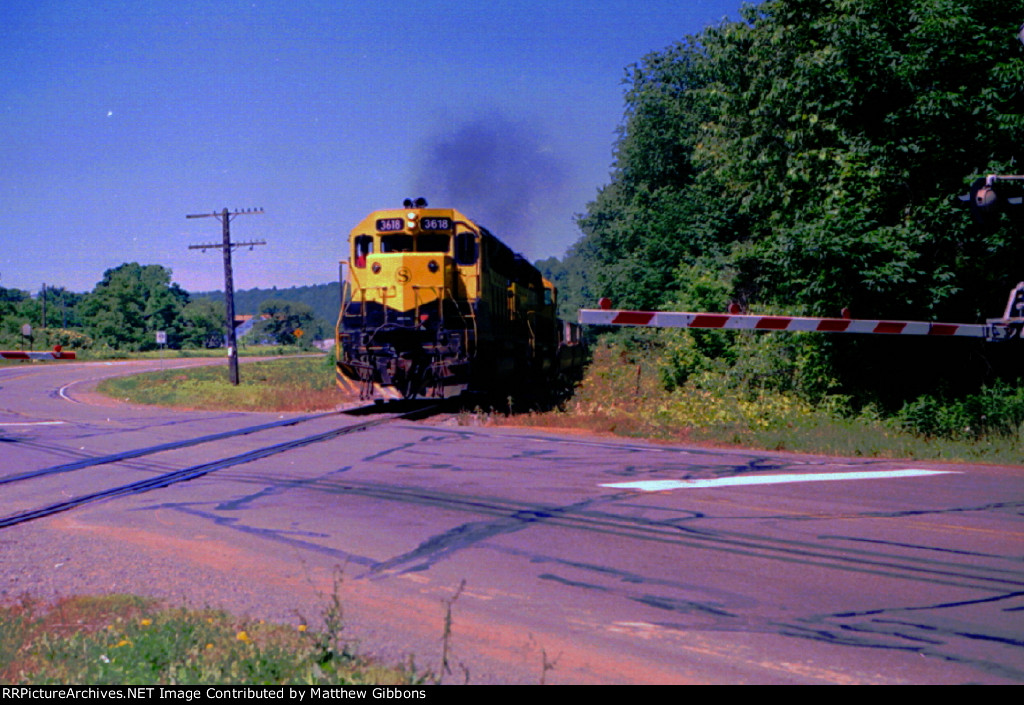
(118, 118)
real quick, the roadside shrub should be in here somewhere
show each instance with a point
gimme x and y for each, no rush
(996, 410)
(66, 338)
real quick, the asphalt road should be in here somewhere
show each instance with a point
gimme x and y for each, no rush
(553, 564)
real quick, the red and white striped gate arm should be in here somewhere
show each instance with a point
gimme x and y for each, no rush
(36, 355)
(727, 321)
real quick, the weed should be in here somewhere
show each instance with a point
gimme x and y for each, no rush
(546, 665)
(121, 639)
(624, 394)
(329, 646)
(446, 638)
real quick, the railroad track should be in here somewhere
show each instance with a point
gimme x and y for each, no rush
(195, 471)
(493, 516)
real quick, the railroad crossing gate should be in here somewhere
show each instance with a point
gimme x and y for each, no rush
(1008, 327)
(55, 354)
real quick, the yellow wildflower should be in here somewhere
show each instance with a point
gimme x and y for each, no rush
(242, 636)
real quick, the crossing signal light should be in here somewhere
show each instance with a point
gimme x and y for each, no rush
(986, 201)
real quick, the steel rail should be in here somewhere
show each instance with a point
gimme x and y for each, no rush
(510, 516)
(174, 445)
(196, 471)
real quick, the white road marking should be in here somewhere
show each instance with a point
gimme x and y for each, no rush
(31, 423)
(661, 485)
(63, 392)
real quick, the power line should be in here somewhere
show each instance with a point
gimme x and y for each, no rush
(225, 217)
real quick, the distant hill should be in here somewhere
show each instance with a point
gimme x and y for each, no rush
(324, 299)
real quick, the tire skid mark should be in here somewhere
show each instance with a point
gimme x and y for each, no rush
(278, 536)
(441, 546)
(929, 635)
(841, 629)
(271, 490)
(514, 516)
(186, 474)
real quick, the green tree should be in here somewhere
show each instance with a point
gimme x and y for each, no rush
(844, 130)
(130, 304)
(62, 320)
(656, 213)
(202, 324)
(284, 320)
(807, 158)
(12, 316)
(62, 307)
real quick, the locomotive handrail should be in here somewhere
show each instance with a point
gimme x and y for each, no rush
(471, 316)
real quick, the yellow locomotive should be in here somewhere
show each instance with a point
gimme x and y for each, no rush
(434, 305)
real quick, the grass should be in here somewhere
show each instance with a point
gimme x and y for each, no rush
(287, 384)
(623, 395)
(124, 639)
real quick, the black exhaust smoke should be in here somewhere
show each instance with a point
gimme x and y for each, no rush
(501, 173)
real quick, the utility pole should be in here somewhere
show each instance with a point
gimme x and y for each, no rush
(225, 219)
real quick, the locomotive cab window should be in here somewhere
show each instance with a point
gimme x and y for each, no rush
(398, 242)
(432, 242)
(465, 248)
(363, 246)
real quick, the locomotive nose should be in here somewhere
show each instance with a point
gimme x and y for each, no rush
(409, 281)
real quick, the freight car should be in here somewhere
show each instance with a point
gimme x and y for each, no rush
(434, 305)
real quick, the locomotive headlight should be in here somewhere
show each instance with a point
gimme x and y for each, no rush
(432, 266)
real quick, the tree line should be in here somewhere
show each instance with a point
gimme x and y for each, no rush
(805, 159)
(131, 304)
